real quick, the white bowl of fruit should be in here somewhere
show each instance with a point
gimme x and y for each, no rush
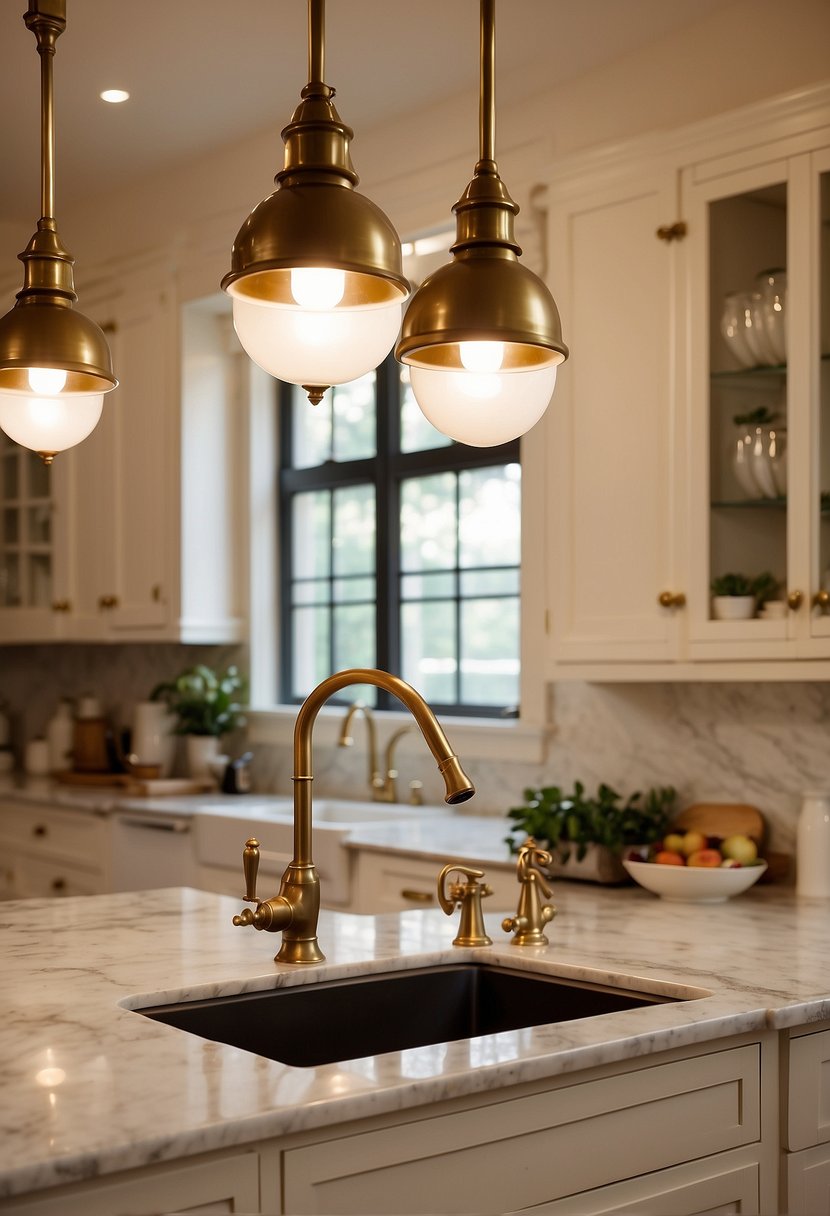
(689, 867)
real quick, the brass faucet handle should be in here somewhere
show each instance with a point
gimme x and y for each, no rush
(467, 895)
(250, 868)
(449, 897)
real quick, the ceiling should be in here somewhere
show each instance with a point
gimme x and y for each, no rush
(203, 73)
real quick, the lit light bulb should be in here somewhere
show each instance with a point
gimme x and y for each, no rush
(481, 357)
(46, 381)
(317, 287)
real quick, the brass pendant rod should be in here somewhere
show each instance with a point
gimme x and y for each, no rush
(47, 131)
(47, 21)
(316, 41)
(487, 94)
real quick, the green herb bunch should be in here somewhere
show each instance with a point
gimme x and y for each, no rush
(568, 822)
(204, 702)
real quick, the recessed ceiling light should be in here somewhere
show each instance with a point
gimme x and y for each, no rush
(114, 95)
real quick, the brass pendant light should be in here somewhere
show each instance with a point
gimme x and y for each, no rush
(316, 271)
(482, 335)
(55, 365)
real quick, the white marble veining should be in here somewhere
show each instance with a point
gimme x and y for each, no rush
(89, 1087)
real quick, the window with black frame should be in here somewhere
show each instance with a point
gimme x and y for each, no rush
(399, 549)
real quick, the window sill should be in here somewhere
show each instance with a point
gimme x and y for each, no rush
(472, 738)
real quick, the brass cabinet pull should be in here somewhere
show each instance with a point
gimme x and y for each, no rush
(107, 601)
(794, 599)
(671, 599)
(39, 830)
(417, 897)
(61, 606)
(821, 599)
(672, 232)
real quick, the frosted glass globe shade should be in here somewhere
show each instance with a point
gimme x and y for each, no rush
(49, 423)
(311, 346)
(483, 409)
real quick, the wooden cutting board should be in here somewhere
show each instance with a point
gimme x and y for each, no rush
(723, 819)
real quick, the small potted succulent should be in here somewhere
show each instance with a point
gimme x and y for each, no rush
(736, 597)
(733, 598)
(206, 705)
(589, 835)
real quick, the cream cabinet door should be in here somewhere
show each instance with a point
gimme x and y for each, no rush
(612, 485)
(125, 474)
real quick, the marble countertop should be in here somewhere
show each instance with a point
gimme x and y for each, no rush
(88, 1087)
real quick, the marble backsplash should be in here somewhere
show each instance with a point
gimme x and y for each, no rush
(762, 743)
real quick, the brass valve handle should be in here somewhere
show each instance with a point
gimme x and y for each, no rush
(533, 858)
(456, 890)
(250, 868)
(467, 895)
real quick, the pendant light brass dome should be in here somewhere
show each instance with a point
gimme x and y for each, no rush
(333, 328)
(482, 334)
(55, 363)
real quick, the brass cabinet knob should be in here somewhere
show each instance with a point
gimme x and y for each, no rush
(671, 599)
(39, 830)
(61, 606)
(672, 232)
(58, 885)
(107, 601)
(821, 599)
(794, 599)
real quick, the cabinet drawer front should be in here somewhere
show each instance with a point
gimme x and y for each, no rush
(43, 878)
(715, 1185)
(48, 833)
(534, 1149)
(392, 884)
(808, 1120)
(228, 1184)
(807, 1176)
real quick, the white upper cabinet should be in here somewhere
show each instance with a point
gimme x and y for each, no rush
(690, 437)
(135, 534)
(611, 480)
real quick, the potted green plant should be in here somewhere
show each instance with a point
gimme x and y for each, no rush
(588, 835)
(206, 705)
(733, 598)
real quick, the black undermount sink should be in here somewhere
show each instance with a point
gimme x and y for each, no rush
(321, 1023)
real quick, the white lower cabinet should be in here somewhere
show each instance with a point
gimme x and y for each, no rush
(52, 851)
(575, 1145)
(805, 1169)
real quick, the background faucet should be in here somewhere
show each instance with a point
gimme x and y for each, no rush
(376, 782)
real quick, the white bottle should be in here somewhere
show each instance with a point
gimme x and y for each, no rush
(59, 736)
(812, 877)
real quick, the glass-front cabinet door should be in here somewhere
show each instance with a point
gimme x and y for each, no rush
(759, 415)
(32, 575)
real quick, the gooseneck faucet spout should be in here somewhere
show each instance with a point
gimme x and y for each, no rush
(295, 909)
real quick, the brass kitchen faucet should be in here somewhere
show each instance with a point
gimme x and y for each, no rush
(294, 910)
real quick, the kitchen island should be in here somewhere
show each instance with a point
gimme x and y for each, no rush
(103, 1109)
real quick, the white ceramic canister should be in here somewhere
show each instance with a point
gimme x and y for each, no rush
(812, 876)
(153, 741)
(60, 737)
